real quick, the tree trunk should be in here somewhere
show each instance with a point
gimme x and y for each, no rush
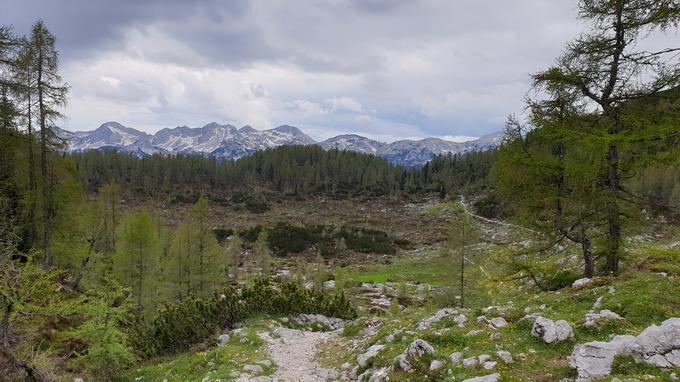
(43, 163)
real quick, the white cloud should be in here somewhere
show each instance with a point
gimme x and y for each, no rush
(345, 103)
(386, 69)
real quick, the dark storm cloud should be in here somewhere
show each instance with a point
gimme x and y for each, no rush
(89, 27)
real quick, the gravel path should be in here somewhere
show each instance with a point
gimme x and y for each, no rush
(294, 353)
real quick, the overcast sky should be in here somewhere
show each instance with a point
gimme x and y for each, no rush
(382, 68)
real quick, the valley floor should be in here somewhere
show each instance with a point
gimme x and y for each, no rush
(396, 295)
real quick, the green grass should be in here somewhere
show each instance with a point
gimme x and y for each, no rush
(641, 295)
(435, 270)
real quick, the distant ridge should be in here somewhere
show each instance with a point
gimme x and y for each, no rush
(230, 142)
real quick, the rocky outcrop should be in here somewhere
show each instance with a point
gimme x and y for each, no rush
(594, 359)
(552, 331)
(656, 345)
(660, 345)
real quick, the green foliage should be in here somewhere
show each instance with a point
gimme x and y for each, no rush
(175, 327)
(107, 352)
(137, 258)
(221, 234)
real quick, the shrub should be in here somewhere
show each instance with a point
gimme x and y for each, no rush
(221, 234)
(176, 327)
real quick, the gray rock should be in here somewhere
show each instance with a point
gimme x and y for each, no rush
(440, 315)
(329, 285)
(473, 332)
(436, 365)
(262, 378)
(505, 356)
(308, 319)
(598, 303)
(530, 317)
(489, 365)
(471, 362)
(483, 358)
(456, 357)
(581, 282)
(78, 380)
(594, 360)
(552, 331)
(403, 363)
(379, 375)
(223, 339)
(418, 348)
(660, 345)
(487, 378)
(595, 320)
(265, 363)
(495, 336)
(364, 358)
(255, 369)
(461, 319)
(498, 322)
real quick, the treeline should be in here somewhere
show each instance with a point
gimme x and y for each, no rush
(286, 170)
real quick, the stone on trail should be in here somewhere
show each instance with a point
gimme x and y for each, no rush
(552, 331)
(255, 369)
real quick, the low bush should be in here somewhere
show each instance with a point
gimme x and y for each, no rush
(176, 327)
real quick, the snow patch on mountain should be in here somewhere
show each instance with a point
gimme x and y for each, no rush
(229, 142)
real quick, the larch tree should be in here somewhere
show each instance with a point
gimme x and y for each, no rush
(52, 94)
(605, 68)
(137, 257)
(263, 254)
(463, 233)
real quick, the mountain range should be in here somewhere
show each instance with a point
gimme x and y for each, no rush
(229, 142)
